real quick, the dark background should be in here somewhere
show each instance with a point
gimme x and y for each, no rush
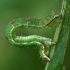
(13, 58)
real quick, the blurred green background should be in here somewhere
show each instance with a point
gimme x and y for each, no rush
(13, 58)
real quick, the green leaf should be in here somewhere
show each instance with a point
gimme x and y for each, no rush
(59, 51)
(62, 68)
(68, 1)
(58, 57)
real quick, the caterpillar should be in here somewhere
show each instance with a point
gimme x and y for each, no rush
(33, 40)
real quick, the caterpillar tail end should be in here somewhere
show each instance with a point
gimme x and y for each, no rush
(46, 59)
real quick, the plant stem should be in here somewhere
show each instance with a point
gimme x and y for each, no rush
(62, 32)
(58, 29)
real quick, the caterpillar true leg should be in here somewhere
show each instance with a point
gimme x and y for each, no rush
(56, 16)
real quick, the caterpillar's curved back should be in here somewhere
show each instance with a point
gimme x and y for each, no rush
(30, 23)
(33, 39)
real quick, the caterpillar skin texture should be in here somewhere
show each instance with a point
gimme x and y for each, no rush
(32, 40)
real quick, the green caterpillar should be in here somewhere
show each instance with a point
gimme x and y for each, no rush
(32, 40)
